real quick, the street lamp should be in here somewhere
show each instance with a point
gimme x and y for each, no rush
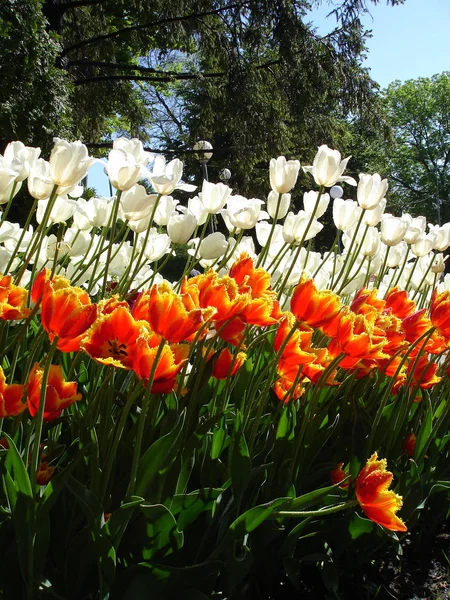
(203, 156)
(225, 175)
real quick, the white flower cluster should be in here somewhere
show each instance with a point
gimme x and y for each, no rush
(371, 248)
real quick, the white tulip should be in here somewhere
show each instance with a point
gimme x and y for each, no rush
(134, 147)
(345, 213)
(396, 254)
(180, 227)
(295, 227)
(438, 264)
(136, 204)
(274, 200)
(165, 178)
(416, 228)
(443, 236)
(7, 184)
(20, 158)
(392, 229)
(63, 209)
(243, 213)
(425, 244)
(283, 174)
(95, 212)
(214, 196)
(197, 208)
(213, 246)
(40, 184)
(309, 202)
(158, 244)
(371, 242)
(373, 217)
(371, 190)
(164, 210)
(123, 170)
(327, 167)
(69, 162)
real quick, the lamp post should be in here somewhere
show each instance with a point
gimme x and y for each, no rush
(337, 192)
(203, 155)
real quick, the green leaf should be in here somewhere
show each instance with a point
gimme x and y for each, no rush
(158, 457)
(14, 462)
(88, 502)
(424, 432)
(163, 536)
(218, 440)
(241, 463)
(187, 507)
(358, 526)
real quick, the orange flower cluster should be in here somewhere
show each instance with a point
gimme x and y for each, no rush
(154, 336)
(369, 334)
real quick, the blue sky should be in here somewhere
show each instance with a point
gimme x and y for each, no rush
(408, 41)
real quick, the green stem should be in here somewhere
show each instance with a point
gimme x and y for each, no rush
(315, 513)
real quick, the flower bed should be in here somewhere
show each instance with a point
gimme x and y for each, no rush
(272, 408)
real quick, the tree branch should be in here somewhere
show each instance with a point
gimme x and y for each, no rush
(150, 25)
(159, 76)
(164, 79)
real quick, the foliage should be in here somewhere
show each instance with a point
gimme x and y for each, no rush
(419, 163)
(34, 94)
(173, 72)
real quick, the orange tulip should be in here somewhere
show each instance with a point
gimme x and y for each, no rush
(226, 365)
(59, 394)
(245, 274)
(440, 312)
(232, 331)
(423, 373)
(358, 339)
(11, 398)
(378, 502)
(169, 314)
(13, 300)
(409, 444)
(314, 307)
(44, 473)
(220, 292)
(398, 303)
(366, 303)
(111, 340)
(66, 311)
(338, 476)
(170, 362)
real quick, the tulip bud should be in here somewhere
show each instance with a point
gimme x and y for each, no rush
(345, 213)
